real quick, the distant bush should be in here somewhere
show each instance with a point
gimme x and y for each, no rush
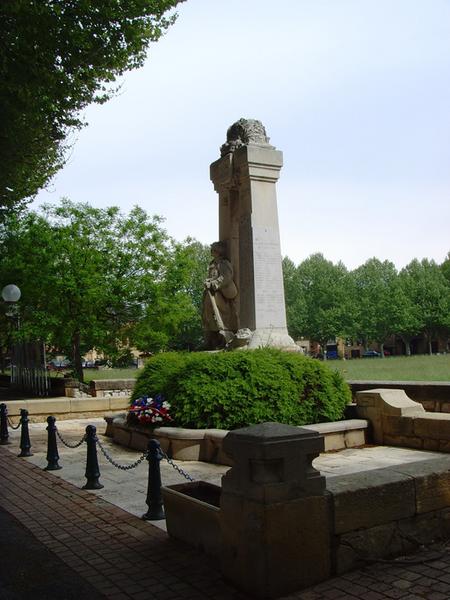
(228, 390)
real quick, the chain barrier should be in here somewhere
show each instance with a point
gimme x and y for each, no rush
(67, 443)
(162, 454)
(14, 426)
(116, 464)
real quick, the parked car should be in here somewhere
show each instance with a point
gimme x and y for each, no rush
(370, 354)
(88, 364)
(58, 365)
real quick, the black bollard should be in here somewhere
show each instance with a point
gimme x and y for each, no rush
(25, 443)
(4, 435)
(92, 470)
(154, 499)
(52, 447)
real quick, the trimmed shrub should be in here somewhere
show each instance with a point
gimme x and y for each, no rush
(228, 390)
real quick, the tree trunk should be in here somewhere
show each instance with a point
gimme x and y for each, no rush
(76, 356)
(382, 350)
(407, 346)
(430, 349)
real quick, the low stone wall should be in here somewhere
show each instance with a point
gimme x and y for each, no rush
(388, 512)
(112, 388)
(65, 408)
(433, 395)
(206, 444)
(396, 420)
(277, 525)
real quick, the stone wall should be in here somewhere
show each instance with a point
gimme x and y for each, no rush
(434, 396)
(112, 388)
(389, 512)
(65, 408)
(396, 420)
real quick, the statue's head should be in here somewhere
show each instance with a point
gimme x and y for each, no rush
(220, 248)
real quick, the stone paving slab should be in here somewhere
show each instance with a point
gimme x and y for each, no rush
(124, 557)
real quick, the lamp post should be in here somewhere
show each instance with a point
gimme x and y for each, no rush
(11, 295)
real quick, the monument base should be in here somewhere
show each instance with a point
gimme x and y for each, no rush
(272, 338)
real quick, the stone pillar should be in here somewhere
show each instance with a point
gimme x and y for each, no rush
(275, 516)
(245, 178)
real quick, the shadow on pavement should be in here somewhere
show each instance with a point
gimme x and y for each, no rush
(28, 570)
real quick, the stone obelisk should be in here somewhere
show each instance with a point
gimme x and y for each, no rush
(245, 178)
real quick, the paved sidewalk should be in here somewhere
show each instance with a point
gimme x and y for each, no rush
(122, 557)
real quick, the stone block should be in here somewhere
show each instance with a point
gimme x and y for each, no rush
(272, 550)
(84, 405)
(185, 448)
(334, 441)
(48, 407)
(122, 436)
(420, 530)
(431, 445)
(112, 384)
(119, 403)
(193, 515)
(273, 462)
(212, 450)
(444, 445)
(338, 426)
(353, 549)
(431, 482)
(366, 499)
(139, 440)
(445, 407)
(355, 438)
(389, 402)
(403, 441)
(433, 426)
(398, 425)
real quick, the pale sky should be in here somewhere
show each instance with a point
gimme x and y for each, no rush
(356, 93)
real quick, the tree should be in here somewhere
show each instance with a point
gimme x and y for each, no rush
(295, 299)
(325, 289)
(380, 305)
(86, 274)
(173, 322)
(58, 56)
(426, 287)
(445, 267)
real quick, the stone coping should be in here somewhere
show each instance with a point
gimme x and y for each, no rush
(336, 426)
(206, 444)
(65, 408)
(384, 384)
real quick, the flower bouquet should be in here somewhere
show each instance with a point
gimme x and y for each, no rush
(149, 411)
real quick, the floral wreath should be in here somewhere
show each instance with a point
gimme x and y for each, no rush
(150, 411)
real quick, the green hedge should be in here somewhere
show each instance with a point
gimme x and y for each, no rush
(228, 390)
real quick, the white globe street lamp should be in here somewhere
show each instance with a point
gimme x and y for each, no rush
(11, 293)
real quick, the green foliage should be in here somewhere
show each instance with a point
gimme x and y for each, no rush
(233, 389)
(319, 300)
(58, 56)
(173, 320)
(86, 274)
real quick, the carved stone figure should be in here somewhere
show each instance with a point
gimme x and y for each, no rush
(219, 315)
(242, 133)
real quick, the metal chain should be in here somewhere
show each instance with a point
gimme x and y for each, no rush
(14, 426)
(67, 443)
(176, 467)
(116, 464)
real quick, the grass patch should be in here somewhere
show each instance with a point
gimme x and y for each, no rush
(395, 368)
(90, 374)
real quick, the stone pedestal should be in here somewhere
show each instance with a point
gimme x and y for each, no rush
(275, 515)
(245, 178)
